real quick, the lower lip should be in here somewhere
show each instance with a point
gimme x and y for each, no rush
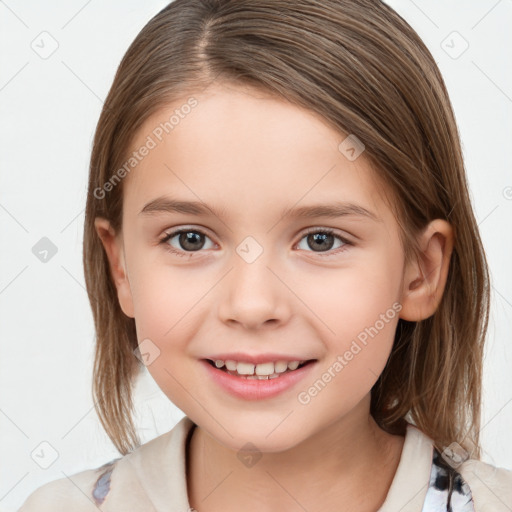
(255, 389)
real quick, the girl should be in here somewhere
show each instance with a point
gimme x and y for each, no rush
(312, 378)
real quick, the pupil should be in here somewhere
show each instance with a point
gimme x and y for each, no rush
(320, 239)
(189, 238)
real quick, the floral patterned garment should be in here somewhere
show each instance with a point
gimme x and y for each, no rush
(102, 485)
(447, 491)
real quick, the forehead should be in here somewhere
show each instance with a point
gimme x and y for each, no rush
(242, 150)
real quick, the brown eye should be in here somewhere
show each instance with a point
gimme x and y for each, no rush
(323, 240)
(320, 241)
(185, 241)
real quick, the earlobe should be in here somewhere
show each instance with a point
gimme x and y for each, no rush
(425, 279)
(114, 249)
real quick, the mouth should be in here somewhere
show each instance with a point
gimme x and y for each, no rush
(261, 381)
(259, 372)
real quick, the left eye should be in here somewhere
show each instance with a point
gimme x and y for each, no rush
(323, 240)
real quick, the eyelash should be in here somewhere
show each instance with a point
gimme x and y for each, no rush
(326, 231)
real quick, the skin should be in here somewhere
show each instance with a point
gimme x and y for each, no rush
(252, 155)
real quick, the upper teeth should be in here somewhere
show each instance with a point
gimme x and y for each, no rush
(261, 369)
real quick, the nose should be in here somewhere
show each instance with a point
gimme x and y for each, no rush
(253, 295)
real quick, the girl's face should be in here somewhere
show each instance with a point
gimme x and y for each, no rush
(256, 275)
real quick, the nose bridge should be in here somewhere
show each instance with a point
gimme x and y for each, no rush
(254, 294)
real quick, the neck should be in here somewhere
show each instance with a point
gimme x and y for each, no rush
(334, 466)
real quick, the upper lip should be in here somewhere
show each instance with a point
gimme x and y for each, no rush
(257, 358)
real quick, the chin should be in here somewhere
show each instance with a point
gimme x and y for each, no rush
(261, 436)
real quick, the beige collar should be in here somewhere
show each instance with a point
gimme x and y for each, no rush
(155, 474)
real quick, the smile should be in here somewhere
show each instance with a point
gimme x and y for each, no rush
(261, 371)
(250, 385)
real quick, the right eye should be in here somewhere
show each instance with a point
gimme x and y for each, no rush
(190, 240)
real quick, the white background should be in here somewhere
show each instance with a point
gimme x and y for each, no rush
(49, 109)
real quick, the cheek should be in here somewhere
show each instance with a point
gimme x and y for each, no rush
(356, 310)
(166, 319)
(163, 296)
(364, 326)
(351, 298)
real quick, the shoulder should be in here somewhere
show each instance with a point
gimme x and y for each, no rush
(455, 482)
(467, 486)
(82, 492)
(153, 471)
(491, 486)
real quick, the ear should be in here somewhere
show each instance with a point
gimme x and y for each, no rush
(114, 248)
(425, 279)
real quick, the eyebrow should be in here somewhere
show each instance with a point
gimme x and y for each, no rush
(334, 210)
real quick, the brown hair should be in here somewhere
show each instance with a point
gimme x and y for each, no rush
(365, 71)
